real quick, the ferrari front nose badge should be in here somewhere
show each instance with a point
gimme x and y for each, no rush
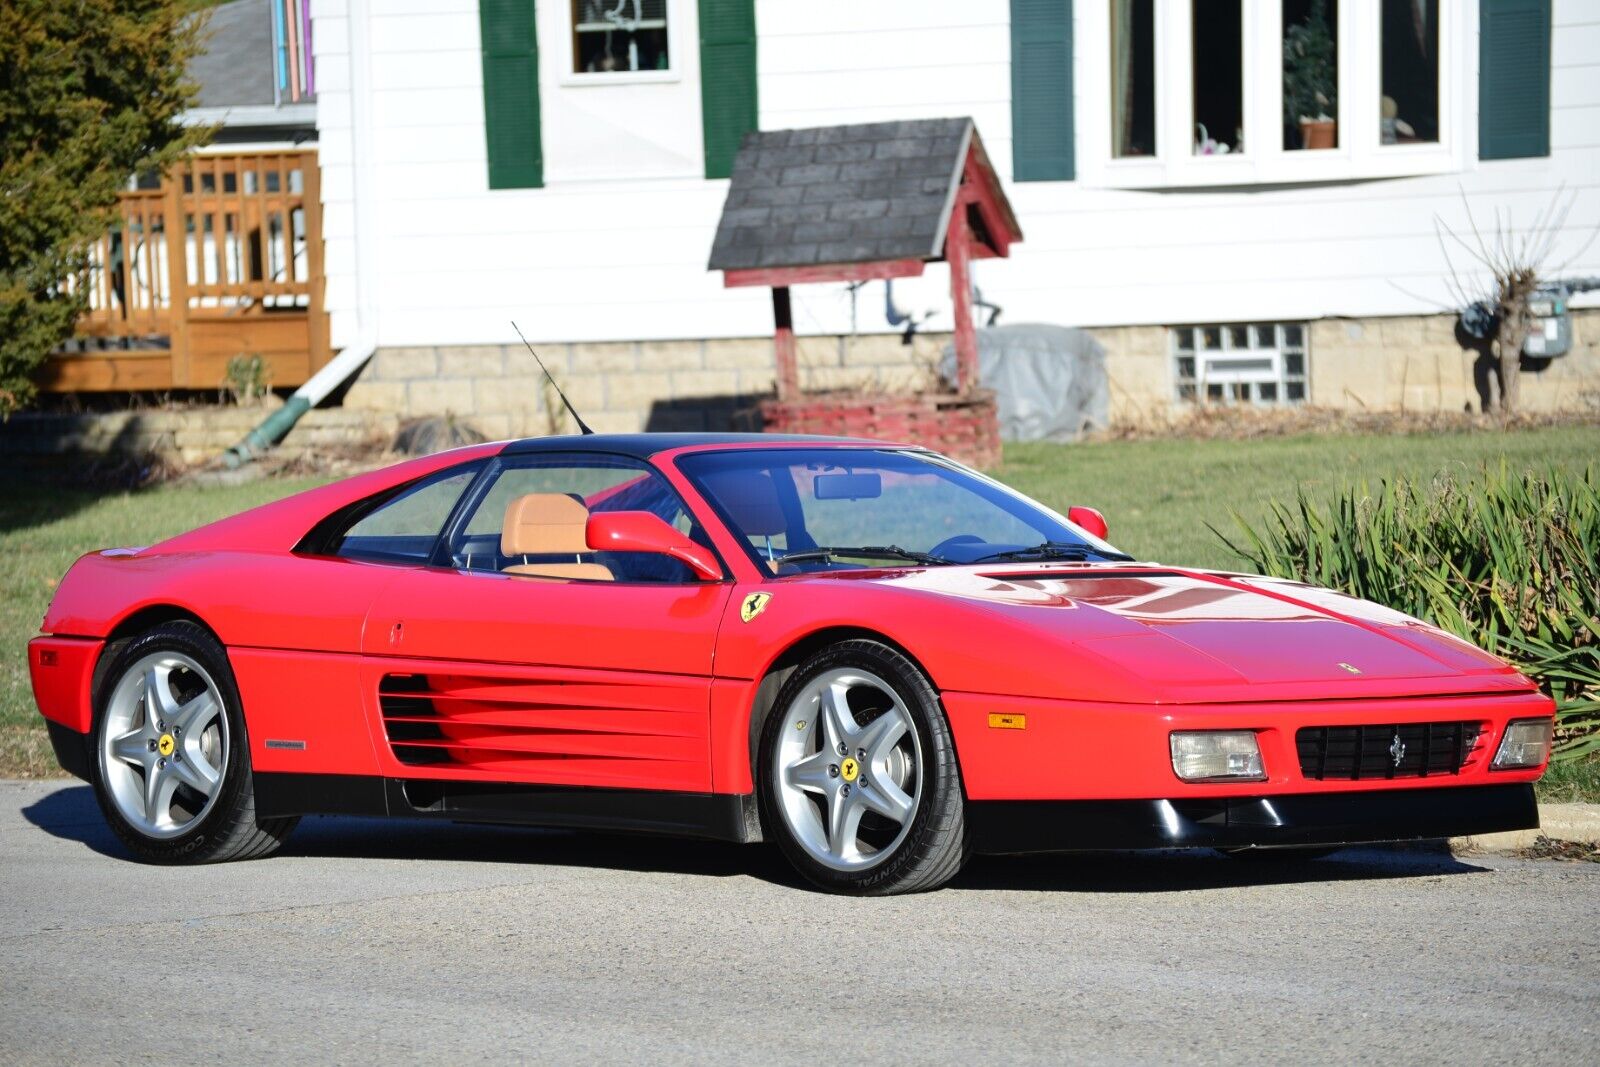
(754, 605)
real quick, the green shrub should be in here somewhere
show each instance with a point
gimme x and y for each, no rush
(1510, 562)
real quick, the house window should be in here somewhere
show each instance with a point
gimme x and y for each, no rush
(1310, 75)
(1133, 78)
(1217, 42)
(1240, 363)
(619, 36)
(1408, 110)
(1242, 92)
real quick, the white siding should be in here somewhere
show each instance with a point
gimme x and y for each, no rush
(614, 246)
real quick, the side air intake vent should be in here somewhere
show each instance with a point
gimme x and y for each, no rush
(647, 730)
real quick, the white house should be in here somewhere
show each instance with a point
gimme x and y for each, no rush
(562, 163)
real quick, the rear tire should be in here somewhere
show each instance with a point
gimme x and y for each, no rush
(858, 776)
(170, 759)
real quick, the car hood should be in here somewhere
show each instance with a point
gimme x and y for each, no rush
(1185, 635)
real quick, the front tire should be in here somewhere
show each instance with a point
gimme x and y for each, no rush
(170, 761)
(858, 775)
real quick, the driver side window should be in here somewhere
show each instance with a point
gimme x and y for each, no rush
(529, 520)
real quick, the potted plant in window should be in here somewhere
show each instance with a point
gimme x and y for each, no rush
(1311, 79)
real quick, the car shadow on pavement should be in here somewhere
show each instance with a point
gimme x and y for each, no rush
(70, 813)
(1183, 870)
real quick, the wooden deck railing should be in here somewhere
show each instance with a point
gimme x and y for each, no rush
(223, 260)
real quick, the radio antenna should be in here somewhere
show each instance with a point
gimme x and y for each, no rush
(583, 427)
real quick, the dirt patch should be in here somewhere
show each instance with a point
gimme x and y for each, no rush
(120, 472)
(1547, 848)
(1240, 423)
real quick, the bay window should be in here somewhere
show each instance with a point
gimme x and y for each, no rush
(1133, 78)
(1217, 47)
(1409, 109)
(1310, 75)
(1236, 92)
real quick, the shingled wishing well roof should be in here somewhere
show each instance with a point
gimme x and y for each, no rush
(844, 194)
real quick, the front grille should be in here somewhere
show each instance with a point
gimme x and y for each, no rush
(1391, 750)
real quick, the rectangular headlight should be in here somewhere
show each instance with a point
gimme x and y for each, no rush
(1216, 755)
(1526, 744)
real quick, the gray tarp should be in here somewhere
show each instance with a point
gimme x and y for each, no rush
(1050, 381)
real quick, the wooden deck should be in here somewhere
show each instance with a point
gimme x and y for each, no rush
(223, 260)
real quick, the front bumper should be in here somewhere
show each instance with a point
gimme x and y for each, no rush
(1088, 750)
(1015, 826)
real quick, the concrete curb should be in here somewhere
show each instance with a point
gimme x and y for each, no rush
(1561, 822)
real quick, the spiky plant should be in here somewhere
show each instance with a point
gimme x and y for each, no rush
(1509, 562)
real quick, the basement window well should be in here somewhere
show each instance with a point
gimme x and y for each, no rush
(1240, 363)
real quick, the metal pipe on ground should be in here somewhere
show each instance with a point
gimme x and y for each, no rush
(277, 425)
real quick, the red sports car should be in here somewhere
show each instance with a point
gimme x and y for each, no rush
(870, 654)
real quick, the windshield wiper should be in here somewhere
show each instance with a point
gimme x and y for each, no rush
(864, 552)
(1056, 550)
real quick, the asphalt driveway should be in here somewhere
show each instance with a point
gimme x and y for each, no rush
(405, 941)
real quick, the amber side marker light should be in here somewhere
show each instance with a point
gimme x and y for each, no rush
(1007, 722)
(1525, 744)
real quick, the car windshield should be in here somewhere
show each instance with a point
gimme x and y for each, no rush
(810, 509)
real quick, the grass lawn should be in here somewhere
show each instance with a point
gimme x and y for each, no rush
(42, 530)
(1157, 496)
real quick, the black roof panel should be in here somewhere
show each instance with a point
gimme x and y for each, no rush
(645, 445)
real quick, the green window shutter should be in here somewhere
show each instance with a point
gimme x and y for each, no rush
(511, 94)
(727, 79)
(1041, 91)
(1513, 79)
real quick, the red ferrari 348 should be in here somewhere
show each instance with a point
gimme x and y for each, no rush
(875, 657)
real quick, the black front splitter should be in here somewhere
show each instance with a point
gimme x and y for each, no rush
(1015, 826)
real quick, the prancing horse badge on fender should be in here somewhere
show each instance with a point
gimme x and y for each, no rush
(754, 605)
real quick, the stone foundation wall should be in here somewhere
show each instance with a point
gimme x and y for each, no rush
(1409, 363)
(1405, 363)
(627, 387)
(188, 435)
(1416, 364)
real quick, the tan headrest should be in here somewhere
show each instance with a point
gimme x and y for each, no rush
(544, 524)
(751, 501)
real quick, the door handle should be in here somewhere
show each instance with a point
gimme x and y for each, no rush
(397, 634)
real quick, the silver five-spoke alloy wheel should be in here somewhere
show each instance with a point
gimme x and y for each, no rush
(164, 746)
(848, 765)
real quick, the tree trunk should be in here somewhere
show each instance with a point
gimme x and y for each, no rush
(1508, 346)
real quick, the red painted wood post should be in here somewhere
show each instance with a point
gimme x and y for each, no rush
(783, 345)
(958, 253)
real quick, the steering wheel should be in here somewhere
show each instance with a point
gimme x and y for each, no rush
(942, 547)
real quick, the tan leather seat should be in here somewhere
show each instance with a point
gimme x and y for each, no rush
(549, 524)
